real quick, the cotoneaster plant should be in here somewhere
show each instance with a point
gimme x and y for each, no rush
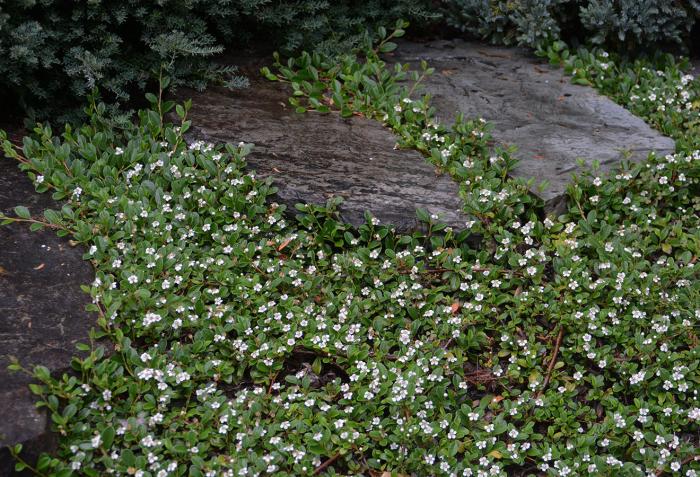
(248, 343)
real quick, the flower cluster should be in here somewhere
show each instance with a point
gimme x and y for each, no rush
(661, 92)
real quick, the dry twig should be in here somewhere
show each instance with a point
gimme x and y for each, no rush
(550, 368)
(320, 468)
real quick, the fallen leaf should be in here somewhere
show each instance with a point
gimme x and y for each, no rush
(3, 271)
(498, 399)
(455, 307)
(495, 454)
(39, 267)
(274, 169)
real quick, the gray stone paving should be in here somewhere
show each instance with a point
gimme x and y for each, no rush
(534, 107)
(42, 312)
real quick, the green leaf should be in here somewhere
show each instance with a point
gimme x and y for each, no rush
(69, 411)
(581, 81)
(387, 47)
(423, 215)
(22, 212)
(42, 373)
(52, 216)
(107, 437)
(268, 74)
(143, 293)
(128, 458)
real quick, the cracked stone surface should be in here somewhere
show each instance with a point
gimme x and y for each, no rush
(313, 156)
(533, 107)
(42, 313)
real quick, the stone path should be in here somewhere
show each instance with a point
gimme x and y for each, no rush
(534, 107)
(42, 313)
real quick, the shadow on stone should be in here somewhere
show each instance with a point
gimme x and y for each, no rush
(42, 313)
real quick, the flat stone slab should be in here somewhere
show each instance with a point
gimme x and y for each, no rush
(42, 311)
(534, 107)
(314, 156)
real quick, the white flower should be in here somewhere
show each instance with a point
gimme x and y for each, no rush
(637, 378)
(151, 318)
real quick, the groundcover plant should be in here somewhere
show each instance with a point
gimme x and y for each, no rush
(248, 343)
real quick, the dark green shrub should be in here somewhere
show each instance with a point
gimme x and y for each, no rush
(506, 22)
(623, 25)
(629, 23)
(52, 52)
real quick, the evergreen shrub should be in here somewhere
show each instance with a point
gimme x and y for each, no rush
(53, 52)
(622, 25)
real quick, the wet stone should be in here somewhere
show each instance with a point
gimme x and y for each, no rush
(312, 157)
(42, 314)
(552, 122)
